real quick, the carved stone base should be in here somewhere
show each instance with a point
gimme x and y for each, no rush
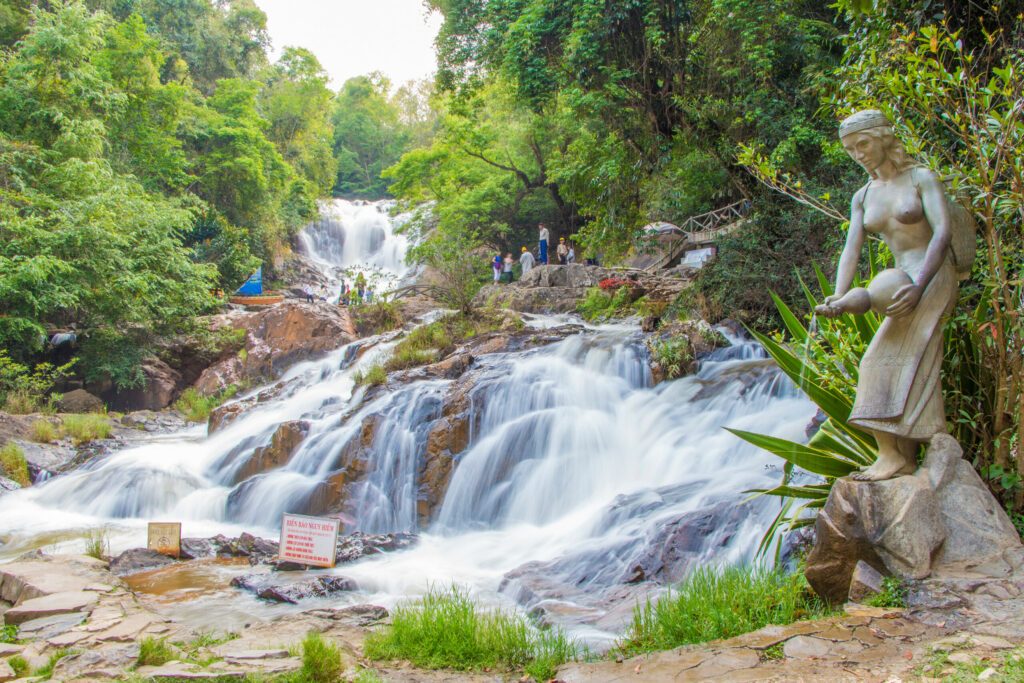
(942, 516)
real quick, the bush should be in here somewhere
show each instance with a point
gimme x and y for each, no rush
(714, 603)
(44, 431)
(9, 633)
(444, 629)
(86, 428)
(378, 317)
(600, 304)
(12, 462)
(197, 408)
(24, 391)
(672, 355)
(321, 660)
(155, 652)
(374, 376)
(894, 594)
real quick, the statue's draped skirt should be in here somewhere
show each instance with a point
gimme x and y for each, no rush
(899, 388)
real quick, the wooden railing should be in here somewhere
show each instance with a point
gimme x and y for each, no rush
(711, 225)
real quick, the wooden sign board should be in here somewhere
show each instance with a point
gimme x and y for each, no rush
(309, 540)
(165, 538)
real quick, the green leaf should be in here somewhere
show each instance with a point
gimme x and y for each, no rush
(806, 457)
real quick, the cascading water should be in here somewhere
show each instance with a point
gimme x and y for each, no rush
(576, 466)
(356, 236)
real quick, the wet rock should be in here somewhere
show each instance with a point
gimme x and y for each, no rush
(50, 605)
(451, 367)
(138, 560)
(8, 485)
(154, 422)
(357, 545)
(49, 457)
(79, 401)
(257, 550)
(356, 615)
(283, 444)
(267, 587)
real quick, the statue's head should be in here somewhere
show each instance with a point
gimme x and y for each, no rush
(868, 138)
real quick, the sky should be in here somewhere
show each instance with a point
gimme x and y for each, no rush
(354, 37)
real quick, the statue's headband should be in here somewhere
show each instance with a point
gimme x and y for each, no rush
(862, 120)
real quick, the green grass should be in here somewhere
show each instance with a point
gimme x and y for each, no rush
(599, 304)
(893, 594)
(19, 665)
(44, 431)
(155, 652)
(197, 408)
(9, 633)
(445, 630)
(368, 676)
(1008, 667)
(97, 544)
(429, 343)
(85, 428)
(21, 403)
(673, 355)
(321, 660)
(377, 318)
(13, 465)
(374, 376)
(713, 604)
(45, 672)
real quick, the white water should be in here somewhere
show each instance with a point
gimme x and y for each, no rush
(357, 236)
(574, 461)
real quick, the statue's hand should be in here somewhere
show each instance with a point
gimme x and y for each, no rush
(904, 301)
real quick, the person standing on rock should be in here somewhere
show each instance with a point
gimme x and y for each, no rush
(562, 251)
(496, 266)
(543, 258)
(307, 290)
(571, 258)
(526, 261)
(506, 271)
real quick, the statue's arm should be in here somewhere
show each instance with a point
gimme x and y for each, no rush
(936, 210)
(847, 269)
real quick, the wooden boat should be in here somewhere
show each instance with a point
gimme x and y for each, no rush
(265, 299)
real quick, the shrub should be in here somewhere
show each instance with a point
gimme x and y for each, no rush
(44, 431)
(197, 408)
(12, 462)
(600, 304)
(715, 603)
(378, 317)
(155, 652)
(24, 390)
(444, 629)
(321, 660)
(9, 633)
(672, 355)
(893, 594)
(374, 376)
(86, 428)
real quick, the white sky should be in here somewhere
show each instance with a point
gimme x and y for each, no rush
(354, 37)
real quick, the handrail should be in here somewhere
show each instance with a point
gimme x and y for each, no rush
(697, 226)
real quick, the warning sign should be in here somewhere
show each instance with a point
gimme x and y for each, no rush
(309, 540)
(165, 538)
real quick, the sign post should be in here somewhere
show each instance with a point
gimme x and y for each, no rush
(165, 538)
(309, 540)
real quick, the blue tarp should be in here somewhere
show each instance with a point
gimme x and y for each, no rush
(254, 285)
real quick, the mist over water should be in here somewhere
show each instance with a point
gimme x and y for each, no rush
(575, 463)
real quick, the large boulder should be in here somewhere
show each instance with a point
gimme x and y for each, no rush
(276, 338)
(79, 401)
(910, 526)
(136, 560)
(161, 384)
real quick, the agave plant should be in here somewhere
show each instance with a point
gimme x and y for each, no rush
(822, 361)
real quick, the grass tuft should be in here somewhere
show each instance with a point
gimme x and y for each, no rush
(45, 672)
(13, 464)
(894, 594)
(9, 633)
(19, 665)
(374, 376)
(97, 544)
(377, 318)
(445, 630)
(44, 431)
(713, 604)
(321, 660)
(155, 652)
(85, 428)
(197, 408)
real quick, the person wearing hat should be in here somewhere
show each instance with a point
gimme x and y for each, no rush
(562, 251)
(543, 258)
(526, 261)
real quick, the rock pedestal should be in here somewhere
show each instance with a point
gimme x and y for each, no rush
(911, 526)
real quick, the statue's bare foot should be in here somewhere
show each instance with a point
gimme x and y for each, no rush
(885, 468)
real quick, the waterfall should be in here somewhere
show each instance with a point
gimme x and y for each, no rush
(576, 466)
(352, 236)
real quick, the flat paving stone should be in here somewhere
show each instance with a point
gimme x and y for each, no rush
(50, 605)
(806, 647)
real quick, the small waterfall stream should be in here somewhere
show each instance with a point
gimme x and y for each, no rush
(580, 477)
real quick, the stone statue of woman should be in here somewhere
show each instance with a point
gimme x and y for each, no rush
(899, 397)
